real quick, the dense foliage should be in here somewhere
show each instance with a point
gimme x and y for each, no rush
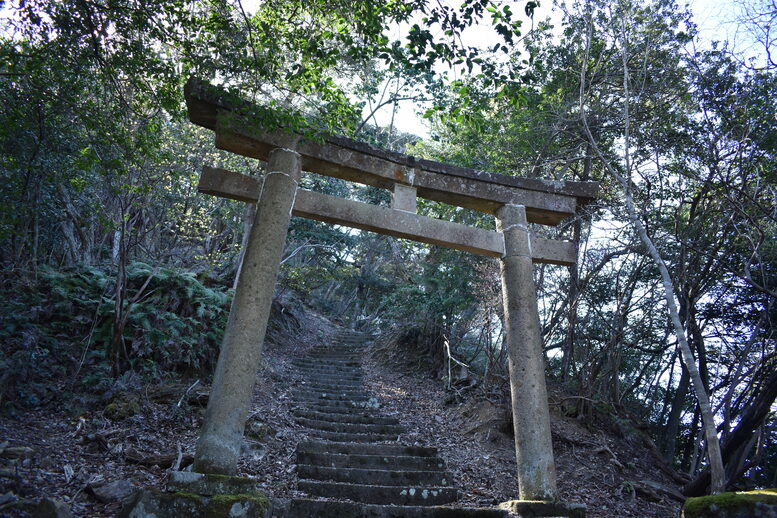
(113, 264)
(57, 327)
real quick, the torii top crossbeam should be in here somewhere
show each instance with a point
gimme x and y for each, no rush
(546, 202)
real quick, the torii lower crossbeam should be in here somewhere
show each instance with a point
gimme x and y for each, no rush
(385, 220)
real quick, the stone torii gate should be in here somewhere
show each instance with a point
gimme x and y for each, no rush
(514, 201)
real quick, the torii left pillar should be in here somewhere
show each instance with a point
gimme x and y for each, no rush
(221, 437)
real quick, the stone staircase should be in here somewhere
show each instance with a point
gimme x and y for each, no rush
(353, 465)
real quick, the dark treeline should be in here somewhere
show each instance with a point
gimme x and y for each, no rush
(112, 263)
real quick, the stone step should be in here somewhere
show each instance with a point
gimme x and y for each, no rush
(345, 351)
(330, 369)
(337, 351)
(349, 370)
(344, 389)
(351, 360)
(313, 370)
(327, 370)
(351, 452)
(313, 398)
(363, 417)
(334, 354)
(353, 341)
(327, 362)
(353, 437)
(324, 405)
(329, 379)
(304, 389)
(318, 405)
(373, 476)
(337, 344)
(349, 352)
(352, 335)
(373, 494)
(329, 376)
(330, 408)
(329, 389)
(329, 426)
(306, 508)
(348, 390)
(341, 460)
(340, 347)
(347, 359)
(320, 385)
(391, 450)
(336, 381)
(332, 376)
(355, 395)
(333, 363)
(339, 382)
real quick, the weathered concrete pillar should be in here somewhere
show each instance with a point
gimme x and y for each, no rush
(531, 417)
(218, 447)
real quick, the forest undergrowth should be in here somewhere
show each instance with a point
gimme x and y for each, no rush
(71, 432)
(58, 328)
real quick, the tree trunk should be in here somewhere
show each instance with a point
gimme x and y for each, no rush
(673, 422)
(708, 421)
(70, 245)
(751, 420)
(117, 339)
(568, 350)
(568, 358)
(81, 249)
(117, 243)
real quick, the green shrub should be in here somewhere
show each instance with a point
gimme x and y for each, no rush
(56, 328)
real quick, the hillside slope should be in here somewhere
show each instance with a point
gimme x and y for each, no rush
(137, 436)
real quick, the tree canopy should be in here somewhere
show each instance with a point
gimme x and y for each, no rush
(99, 169)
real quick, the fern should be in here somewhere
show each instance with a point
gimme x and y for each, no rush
(48, 322)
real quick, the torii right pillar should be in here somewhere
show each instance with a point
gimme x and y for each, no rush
(526, 360)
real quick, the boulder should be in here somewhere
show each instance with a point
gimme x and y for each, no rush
(209, 484)
(152, 503)
(116, 491)
(740, 504)
(51, 508)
